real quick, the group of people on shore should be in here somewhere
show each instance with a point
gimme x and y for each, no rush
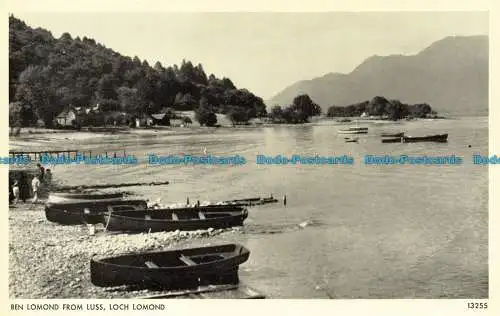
(21, 190)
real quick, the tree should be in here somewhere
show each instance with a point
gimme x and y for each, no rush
(15, 119)
(276, 114)
(205, 116)
(106, 88)
(34, 89)
(186, 120)
(306, 105)
(129, 100)
(237, 115)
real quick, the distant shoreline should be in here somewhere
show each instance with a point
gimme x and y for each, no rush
(193, 130)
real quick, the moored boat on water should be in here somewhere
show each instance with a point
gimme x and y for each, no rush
(440, 138)
(351, 140)
(393, 135)
(174, 269)
(85, 212)
(156, 220)
(250, 201)
(354, 130)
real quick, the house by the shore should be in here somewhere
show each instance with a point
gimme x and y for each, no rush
(161, 119)
(68, 117)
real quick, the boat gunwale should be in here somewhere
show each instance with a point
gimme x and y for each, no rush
(239, 251)
(243, 212)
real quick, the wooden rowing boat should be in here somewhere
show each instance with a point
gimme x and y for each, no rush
(86, 212)
(186, 219)
(440, 138)
(250, 201)
(175, 269)
(354, 130)
(63, 197)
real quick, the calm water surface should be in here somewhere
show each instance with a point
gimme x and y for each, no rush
(374, 232)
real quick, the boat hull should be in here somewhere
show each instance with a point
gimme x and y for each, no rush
(219, 265)
(353, 132)
(161, 220)
(88, 212)
(408, 139)
(392, 140)
(443, 138)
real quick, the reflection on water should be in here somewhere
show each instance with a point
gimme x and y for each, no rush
(373, 231)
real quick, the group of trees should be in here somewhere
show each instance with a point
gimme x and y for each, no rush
(48, 74)
(380, 106)
(301, 109)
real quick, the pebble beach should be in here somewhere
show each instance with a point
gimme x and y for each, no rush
(49, 261)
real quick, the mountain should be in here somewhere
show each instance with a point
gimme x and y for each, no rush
(451, 75)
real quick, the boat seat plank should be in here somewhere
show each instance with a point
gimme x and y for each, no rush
(151, 264)
(187, 260)
(174, 217)
(201, 215)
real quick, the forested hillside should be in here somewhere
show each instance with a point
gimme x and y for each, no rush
(48, 74)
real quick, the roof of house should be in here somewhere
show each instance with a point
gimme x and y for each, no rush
(64, 113)
(159, 116)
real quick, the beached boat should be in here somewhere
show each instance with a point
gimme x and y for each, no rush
(441, 138)
(156, 220)
(63, 197)
(86, 212)
(393, 135)
(174, 269)
(354, 130)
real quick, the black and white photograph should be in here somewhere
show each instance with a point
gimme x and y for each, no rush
(248, 155)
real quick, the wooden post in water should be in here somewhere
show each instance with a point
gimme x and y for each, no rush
(284, 200)
(187, 201)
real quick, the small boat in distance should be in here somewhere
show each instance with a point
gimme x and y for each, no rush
(440, 138)
(175, 269)
(187, 219)
(354, 130)
(393, 135)
(351, 140)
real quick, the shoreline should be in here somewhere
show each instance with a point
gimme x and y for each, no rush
(37, 138)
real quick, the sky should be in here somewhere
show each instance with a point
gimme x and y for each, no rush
(263, 52)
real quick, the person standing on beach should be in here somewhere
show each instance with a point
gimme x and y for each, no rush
(48, 179)
(16, 191)
(35, 185)
(42, 171)
(24, 190)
